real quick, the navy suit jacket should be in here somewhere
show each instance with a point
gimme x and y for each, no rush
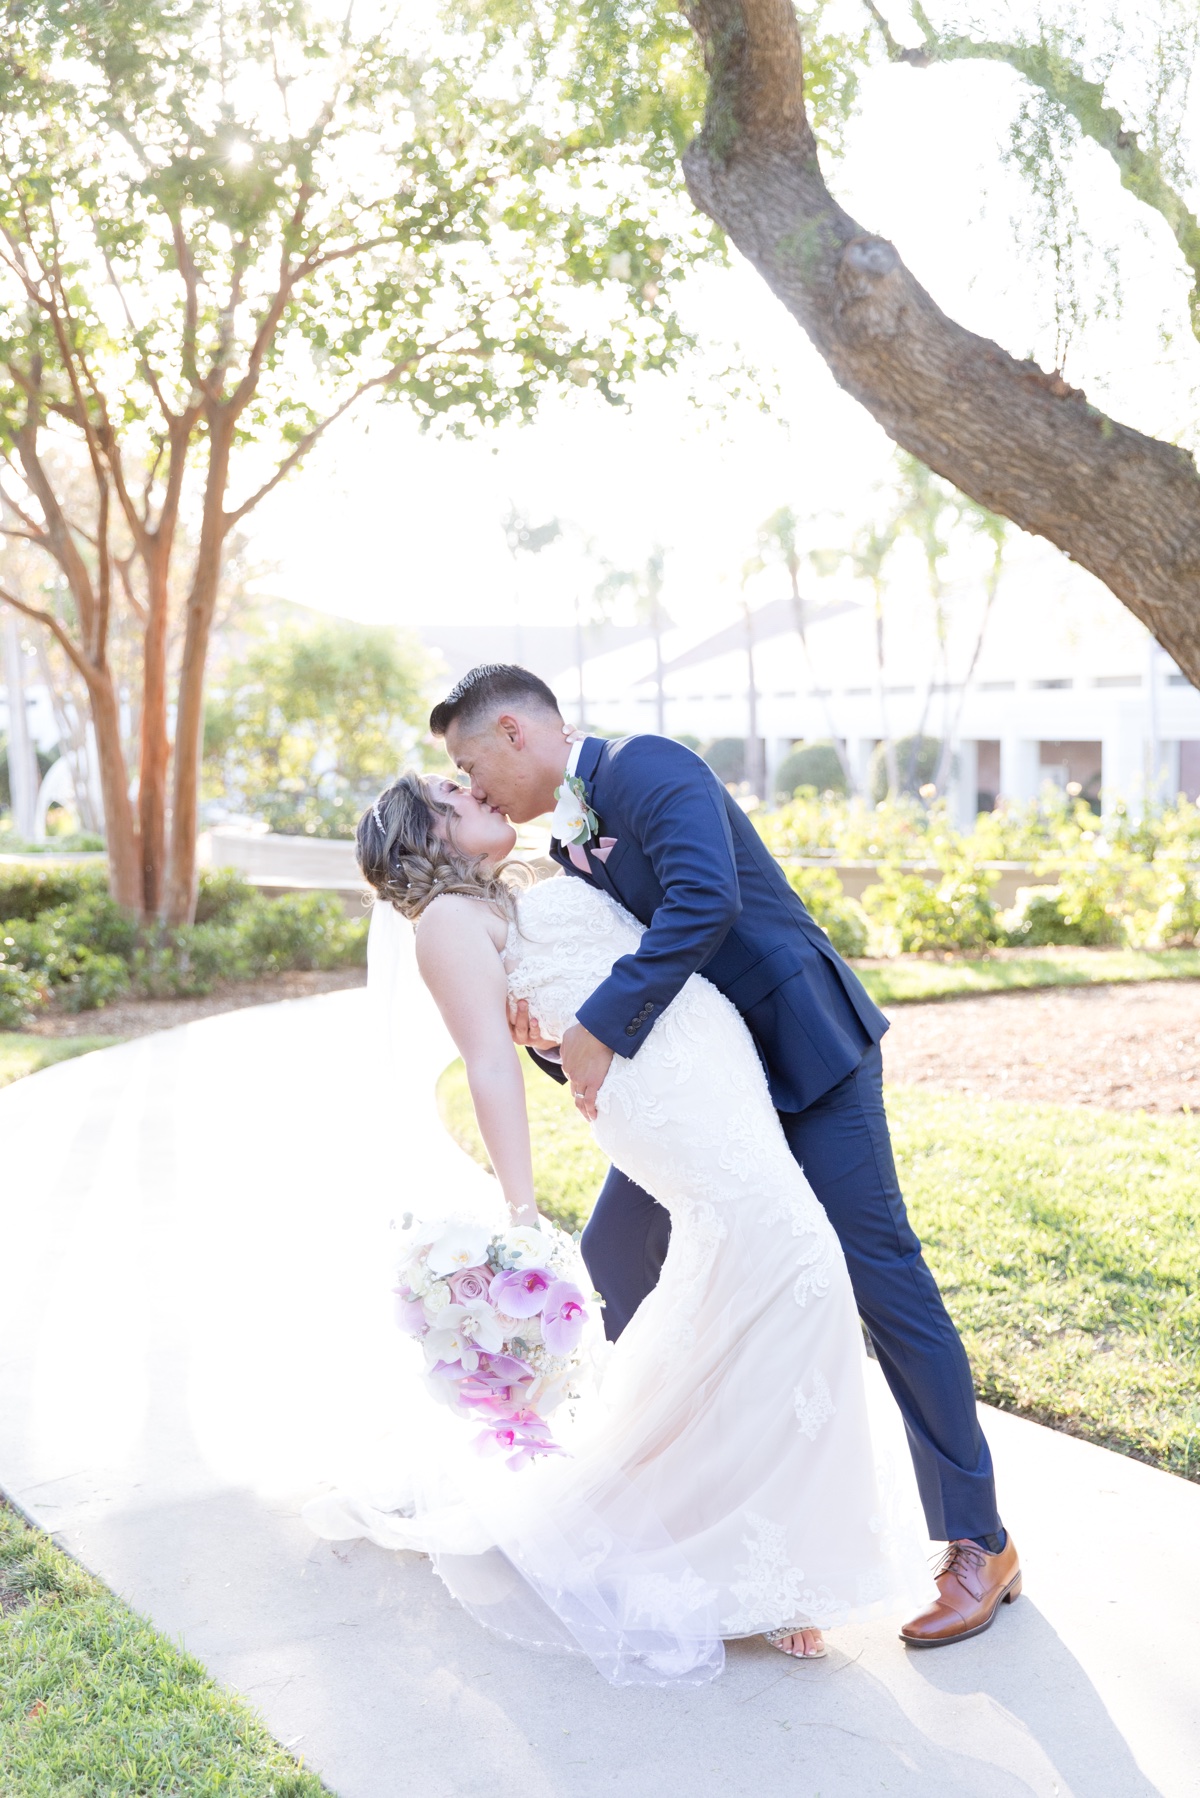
(689, 865)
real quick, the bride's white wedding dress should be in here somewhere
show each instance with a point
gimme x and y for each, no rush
(725, 1481)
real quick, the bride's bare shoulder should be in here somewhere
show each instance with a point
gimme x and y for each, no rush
(459, 918)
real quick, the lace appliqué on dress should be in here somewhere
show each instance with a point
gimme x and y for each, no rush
(815, 1409)
(773, 1593)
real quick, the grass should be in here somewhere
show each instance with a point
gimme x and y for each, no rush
(1063, 1239)
(28, 1054)
(568, 1167)
(905, 980)
(95, 1704)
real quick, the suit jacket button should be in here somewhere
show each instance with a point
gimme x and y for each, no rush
(631, 1029)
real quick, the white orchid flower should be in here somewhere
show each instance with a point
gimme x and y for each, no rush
(462, 1245)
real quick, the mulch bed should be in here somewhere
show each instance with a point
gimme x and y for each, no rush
(1122, 1048)
(138, 1017)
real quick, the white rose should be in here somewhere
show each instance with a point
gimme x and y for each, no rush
(523, 1246)
(437, 1298)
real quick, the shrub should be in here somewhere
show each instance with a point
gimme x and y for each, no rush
(726, 756)
(222, 892)
(1109, 898)
(90, 980)
(912, 914)
(21, 994)
(843, 920)
(26, 892)
(1036, 920)
(79, 952)
(90, 951)
(298, 930)
(815, 765)
(1177, 921)
(916, 764)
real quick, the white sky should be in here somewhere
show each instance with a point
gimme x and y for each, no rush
(385, 525)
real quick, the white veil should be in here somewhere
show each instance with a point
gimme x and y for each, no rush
(412, 1050)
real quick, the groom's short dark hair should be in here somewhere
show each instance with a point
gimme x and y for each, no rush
(489, 688)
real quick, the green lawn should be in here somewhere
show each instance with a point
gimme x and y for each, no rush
(95, 1704)
(912, 978)
(26, 1054)
(1064, 1241)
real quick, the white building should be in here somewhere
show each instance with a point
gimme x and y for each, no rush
(1067, 688)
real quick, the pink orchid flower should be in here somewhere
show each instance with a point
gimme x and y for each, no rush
(521, 1293)
(563, 1318)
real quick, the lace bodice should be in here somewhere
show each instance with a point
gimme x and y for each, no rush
(563, 943)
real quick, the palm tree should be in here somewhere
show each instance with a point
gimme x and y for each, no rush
(645, 585)
(778, 541)
(528, 539)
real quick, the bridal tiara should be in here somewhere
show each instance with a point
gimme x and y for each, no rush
(378, 817)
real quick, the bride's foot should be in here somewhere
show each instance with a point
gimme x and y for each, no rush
(802, 1644)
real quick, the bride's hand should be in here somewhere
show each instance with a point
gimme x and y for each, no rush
(526, 1031)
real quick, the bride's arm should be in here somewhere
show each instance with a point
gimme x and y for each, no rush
(458, 957)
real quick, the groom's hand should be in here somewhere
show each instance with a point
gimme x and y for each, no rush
(585, 1062)
(526, 1031)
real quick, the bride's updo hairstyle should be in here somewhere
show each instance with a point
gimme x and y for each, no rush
(406, 860)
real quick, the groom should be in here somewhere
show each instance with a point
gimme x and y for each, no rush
(648, 822)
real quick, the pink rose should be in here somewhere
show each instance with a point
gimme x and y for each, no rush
(470, 1286)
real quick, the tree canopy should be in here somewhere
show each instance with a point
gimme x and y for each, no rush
(306, 725)
(224, 225)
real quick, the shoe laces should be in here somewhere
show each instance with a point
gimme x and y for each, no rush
(966, 1561)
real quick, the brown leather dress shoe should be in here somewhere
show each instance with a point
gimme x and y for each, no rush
(972, 1585)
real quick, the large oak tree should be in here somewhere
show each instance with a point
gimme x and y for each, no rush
(753, 128)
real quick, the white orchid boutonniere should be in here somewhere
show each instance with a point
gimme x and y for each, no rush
(574, 821)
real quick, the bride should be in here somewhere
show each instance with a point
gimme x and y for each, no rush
(724, 1481)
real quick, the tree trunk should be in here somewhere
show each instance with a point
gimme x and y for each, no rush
(155, 752)
(124, 865)
(1016, 439)
(179, 898)
(24, 776)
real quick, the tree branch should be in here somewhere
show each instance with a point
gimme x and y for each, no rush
(306, 442)
(1019, 441)
(1062, 81)
(52, 625)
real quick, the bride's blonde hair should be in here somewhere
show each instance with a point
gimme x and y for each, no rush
(409, 862)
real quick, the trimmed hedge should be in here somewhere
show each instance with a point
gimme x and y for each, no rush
(63, 937)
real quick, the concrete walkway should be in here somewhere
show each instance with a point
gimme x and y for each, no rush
(188, 1346)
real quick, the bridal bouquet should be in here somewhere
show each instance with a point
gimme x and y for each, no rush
(500, 1317)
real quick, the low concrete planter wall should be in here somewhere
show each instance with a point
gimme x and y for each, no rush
(856, 877)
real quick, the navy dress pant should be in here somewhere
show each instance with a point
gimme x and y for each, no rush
(842, 1143)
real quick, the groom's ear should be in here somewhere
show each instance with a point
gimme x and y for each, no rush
(510, 726)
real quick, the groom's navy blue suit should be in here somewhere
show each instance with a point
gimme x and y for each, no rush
(688, 863)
